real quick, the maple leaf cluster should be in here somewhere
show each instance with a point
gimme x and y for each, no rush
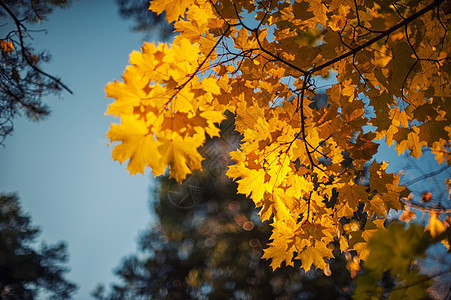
(306, 155)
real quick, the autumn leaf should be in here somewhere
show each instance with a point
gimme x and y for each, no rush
(278, 253)
(314, 256)
(433, 130)
(174, 8)
(251, 182)
(364, 147)
(179, 154)
(319, 10)
(411, 142)
(6, 47)
(128, 94)
(352, 194)
(399, 65)
(136, 144)
(435, 226)
(379, 178)
(396, 247)
(395, 250)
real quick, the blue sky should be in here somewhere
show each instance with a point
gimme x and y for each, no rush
(61, 168)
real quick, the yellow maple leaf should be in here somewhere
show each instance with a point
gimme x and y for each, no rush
(298, 186)
(411, 142)
(183, 102)
(315, 255)
(147, 60)
(435, 226)
(362, 250)
(280, 205)
(210, 85)
(174, 8)
(337, 22)
(278, 253)
(352, 194)
(319, 10)
(128, 94)
(182, 51)
(345, 210)
(200, 13)
(137, 144)
(379, 178)
(180, 154)
(251, 182)
(279, 250)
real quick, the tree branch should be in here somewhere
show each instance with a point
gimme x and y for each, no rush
(427, 175)
(386, 33)
(25, 55)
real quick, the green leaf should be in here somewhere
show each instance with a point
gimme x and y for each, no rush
(396, 248)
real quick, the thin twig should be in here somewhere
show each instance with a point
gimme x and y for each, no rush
(431, 174)
(19, 26)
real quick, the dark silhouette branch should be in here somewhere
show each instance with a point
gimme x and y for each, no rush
(20, 27)
(386, 33)
(425, 176)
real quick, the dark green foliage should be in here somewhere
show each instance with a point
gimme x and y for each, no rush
(32, 11)
(23, 82)
(392, 270)
(145, 20)
(24, 271)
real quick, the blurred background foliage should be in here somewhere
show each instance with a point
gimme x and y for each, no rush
(25, 269)
(153, 26)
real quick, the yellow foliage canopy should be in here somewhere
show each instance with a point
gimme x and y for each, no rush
(305, 151)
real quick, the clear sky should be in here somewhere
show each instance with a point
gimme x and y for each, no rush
(61, 168)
